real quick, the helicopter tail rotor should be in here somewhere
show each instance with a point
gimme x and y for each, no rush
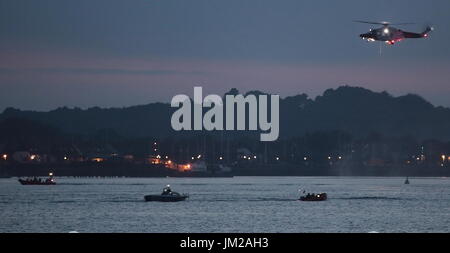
(428, 29)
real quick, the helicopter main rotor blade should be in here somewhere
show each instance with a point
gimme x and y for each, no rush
(381, 23)
(371, 22)
(402, 23)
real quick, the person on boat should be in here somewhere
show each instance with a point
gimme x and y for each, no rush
(166, 190)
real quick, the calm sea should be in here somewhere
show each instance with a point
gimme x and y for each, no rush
(239, 204)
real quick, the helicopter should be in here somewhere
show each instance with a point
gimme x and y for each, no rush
(391, 35)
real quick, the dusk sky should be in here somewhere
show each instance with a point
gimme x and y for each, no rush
(121, 53)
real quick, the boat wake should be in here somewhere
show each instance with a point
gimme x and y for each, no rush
(371, 198)
(100, 184)
(243, 200)
(271, 199)
(122, 201)
(63, 201)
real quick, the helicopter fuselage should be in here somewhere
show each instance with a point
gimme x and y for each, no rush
(391, 35)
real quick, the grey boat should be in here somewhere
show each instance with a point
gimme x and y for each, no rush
(167, 196)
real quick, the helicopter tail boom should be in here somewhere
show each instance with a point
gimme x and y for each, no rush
(418, 35)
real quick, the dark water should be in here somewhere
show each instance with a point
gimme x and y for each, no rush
(240, 204)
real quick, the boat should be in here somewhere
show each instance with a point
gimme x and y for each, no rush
(407, 180)
(38, 181)
(314, 197)
(167, 196)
